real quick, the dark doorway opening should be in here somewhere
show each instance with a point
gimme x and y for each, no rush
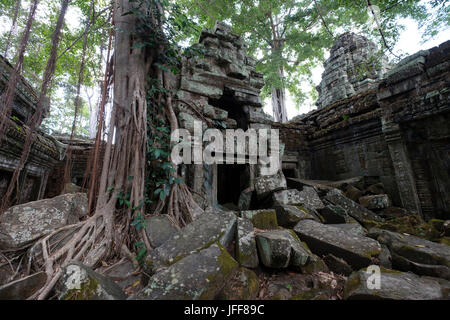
(232, 179)
(234, 108)
(289, 173)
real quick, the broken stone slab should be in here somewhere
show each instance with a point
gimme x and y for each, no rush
(201, 88)
(332, 214)
(280, 249)
(410, 253)
(214, 113)
(244, 285)
(24, 288)
(354, 228)
(22, 224)
(199, 276)
(352, 208)
(80, 282)
(159, 230)
(375, 202)
(199, 234)
(323, 239)
(288, 216)
(246, 253)
(265, 219)
(353, 193)
(394, 285)
(337, 265)
(266, 185)
(123, 273)
(257, 115)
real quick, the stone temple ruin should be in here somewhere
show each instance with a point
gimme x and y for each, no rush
(364, 180)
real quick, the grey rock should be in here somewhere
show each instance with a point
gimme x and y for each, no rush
(280, 248)
(24, 288)
(80, 282)
(337, 265)
(199, 234)
(246, 253)
(332, 214)
(262, 219)
(288, 216)
(410, 253)
(199, 276)
(323, 239)
(394, 285)
(375, 202)
(159, 230)
(354, 228)
(244, 285)
(24, 223)
(352, 208)
(266, 185)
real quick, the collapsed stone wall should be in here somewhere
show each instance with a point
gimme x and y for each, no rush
(45, 152)
(396, 133)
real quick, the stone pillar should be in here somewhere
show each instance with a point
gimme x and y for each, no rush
(404, 174)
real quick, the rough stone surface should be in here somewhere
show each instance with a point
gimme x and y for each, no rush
(22, 224)
(410, 253)
(159, 230)
(323, 239)
(334, 214)
(280, 248)
(262, 219)
(353, 66)
(394, 285)
(337, 265)
(23, 288)
(79, 282)
(199, 276)
(244, 285)
(354, 228)
(352, 208)
(376, 202)
(266, 185)
(288, 216)
(246, 253)
(199, 234)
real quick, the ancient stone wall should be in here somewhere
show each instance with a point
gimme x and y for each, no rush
(396, 133)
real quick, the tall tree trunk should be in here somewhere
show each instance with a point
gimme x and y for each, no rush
(13, 29)
(41, 106)
(8, 95)
(279, 101)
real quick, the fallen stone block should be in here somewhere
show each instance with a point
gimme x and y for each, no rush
(288, 216)
(199, 234)
(244, 285)
(352, 208)
(24, 288)
(337, 265)
(199, 276)
(246, 252)
(281, 248)
(394, 285)
(354, 228)
(80, 282)
(22, 224)
(159, 230)
(262, 219)
(375, 202)
(266, 185)
(332, 214)
(411, 253)
(323, 239)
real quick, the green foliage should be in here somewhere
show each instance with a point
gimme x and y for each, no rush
(294, 35)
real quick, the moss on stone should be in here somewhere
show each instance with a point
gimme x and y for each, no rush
(87, 291)
(265, 219)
